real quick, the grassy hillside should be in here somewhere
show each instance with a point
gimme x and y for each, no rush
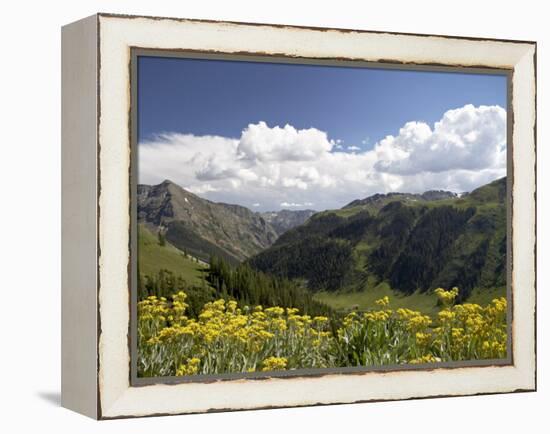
(425, 302)
(152, 257)
(364, 300)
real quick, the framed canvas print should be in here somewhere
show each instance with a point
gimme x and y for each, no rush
(261, 216)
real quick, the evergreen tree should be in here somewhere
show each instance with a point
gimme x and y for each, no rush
(161, 238)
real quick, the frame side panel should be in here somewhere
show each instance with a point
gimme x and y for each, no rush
(79, 217)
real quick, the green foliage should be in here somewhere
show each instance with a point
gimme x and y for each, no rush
(478, 256)
(395, 224)
(252, 287)
(323, 262)
(320, 224)
(354, 228)
(428, 248)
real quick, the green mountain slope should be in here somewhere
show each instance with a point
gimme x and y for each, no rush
(412, 242)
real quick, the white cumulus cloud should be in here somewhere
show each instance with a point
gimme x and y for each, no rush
(288, 167)
(295, 205)
(468, 138)
(263, 143)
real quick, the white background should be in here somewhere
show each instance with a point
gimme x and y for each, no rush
(30, 216)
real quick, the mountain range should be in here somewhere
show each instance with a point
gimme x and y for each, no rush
(378, 200)
(285, 219)
(204, 228)
(415, 242)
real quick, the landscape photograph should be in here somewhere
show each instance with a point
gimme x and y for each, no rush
(298, 217)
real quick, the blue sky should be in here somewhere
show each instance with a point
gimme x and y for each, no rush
(270, 136)
(351, 104)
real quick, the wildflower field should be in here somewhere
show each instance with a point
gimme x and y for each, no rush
(226, 337)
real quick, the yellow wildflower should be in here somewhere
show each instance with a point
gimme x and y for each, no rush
(384, 301)
(428, 358)
(446, 298)
(422, 338)
(274, 364)
(190, 368)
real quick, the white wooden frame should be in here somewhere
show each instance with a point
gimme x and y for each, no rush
(96, 216)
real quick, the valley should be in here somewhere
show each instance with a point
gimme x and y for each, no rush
(399, 244)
